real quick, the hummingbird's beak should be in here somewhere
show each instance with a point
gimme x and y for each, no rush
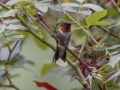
(73, 23)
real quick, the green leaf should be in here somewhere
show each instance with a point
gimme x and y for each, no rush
(15, 27)
(43, 7)
(113, 60)
(46, 68)
(95, 17)
(2, 27)
(93, 6)
(102, 23)
(8, 13)
(114, 75)
(11, 2)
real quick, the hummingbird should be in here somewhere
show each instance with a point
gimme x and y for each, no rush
(63, 34)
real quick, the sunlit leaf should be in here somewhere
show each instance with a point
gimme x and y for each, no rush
(8, 13)
(2, 27)
(81, 1)
(113, 60)
(95, 17)
(14, 27)
(41, 6)
(46, 68)
(45, 85)
(29, 71)
(93, 6)
(11, 2)
(114, 75)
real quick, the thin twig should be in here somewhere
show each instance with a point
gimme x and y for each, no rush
(108, 31)
(8, 77)
(11, 51)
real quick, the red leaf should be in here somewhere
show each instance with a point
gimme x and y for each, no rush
(45, 85)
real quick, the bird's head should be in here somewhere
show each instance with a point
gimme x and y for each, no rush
(65, 26)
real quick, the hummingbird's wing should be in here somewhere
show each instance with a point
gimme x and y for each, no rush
(56, 55)
(67, 40)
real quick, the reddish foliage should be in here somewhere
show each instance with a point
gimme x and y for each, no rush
(45, 85)
(114, 0)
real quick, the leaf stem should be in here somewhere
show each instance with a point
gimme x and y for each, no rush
(89, 33)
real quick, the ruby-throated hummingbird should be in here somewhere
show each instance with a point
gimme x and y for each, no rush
(63, 34)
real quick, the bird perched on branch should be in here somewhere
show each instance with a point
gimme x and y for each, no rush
(63, 34)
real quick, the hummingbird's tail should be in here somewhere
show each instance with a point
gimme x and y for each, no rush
(58, 55)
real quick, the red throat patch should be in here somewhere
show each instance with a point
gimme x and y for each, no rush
(64, 29)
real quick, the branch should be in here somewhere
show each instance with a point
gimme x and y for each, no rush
(108, 31)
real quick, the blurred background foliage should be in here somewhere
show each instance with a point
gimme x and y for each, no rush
(34, 57)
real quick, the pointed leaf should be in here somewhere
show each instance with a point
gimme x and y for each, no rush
(47, 67)
(93, 6)
(113, 60)
(45, 85)
(41, 6)
(95, 17)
